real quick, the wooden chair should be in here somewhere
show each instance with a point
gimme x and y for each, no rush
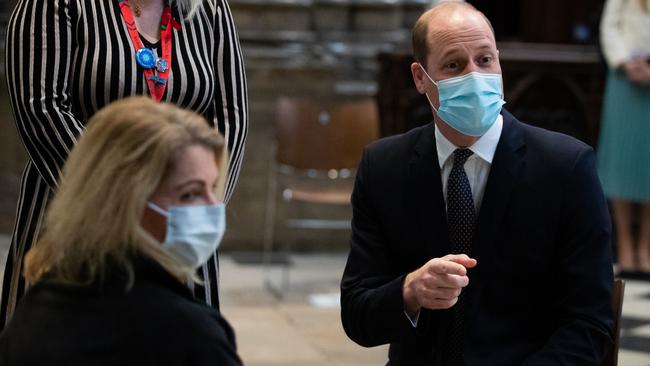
(618, 293)
(317, 149)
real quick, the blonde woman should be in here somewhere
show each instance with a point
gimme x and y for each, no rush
(66, 59)
(623, 149)
(138, 209)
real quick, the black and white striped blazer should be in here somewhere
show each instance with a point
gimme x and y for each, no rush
(68, 58)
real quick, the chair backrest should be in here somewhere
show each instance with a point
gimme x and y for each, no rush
(618, 292)
(324, 135)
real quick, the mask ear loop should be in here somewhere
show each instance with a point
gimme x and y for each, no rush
(503, 92)
(157, 208)
(434, 83)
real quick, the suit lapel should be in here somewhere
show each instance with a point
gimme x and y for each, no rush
(425, 198)
(426, 207)
(505, 172)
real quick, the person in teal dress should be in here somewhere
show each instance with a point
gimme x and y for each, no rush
(624, 145)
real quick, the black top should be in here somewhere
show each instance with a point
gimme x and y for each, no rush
(156, 322)
(150, 45)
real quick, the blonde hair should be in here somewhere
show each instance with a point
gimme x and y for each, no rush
(93, 222)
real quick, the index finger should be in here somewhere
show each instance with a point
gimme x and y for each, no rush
(462, 259)
(444, 266)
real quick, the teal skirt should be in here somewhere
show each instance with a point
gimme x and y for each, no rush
(624, 144)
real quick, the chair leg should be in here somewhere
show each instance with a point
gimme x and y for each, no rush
(286, 259)
(269, 227)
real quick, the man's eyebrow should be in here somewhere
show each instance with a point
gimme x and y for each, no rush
(485, 45)
(450, 52)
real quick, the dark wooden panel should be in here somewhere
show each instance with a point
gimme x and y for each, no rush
(548, 21)
(558, 87)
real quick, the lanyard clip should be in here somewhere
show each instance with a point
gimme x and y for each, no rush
(157, 79)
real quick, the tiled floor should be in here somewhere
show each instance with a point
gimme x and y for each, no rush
(635, 327)
(291, 332)
(304, 328)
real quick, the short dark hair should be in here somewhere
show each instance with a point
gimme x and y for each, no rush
(421, 28)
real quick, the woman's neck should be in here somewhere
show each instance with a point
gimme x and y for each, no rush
(149, 3)
(148, 14)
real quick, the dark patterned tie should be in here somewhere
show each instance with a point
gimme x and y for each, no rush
(461, 219)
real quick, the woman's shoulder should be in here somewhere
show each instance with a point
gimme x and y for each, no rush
(159, 323)
(157, 290)
(184, 322)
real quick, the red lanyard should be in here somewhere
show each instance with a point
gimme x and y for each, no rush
(158, 74)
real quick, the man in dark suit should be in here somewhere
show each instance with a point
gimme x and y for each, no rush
(477, 239)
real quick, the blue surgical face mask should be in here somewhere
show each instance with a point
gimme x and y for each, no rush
(193, 232)
(470, 103)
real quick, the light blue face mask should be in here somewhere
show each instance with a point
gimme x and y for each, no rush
(470, 103)
(193, 232)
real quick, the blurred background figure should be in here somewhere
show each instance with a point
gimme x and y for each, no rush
(67, 59)
(138, 209)
(624, 146)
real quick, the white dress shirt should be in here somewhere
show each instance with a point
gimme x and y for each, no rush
(477, 168)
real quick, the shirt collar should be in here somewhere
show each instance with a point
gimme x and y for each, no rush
(484, 147)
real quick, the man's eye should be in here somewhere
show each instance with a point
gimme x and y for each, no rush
(451, 65)
(485, 60)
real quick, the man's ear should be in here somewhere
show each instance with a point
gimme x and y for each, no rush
(418, 77)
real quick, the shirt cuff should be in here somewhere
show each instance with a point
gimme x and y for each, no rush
(414, 319)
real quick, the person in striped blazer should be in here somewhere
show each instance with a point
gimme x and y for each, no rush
(66, 59)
